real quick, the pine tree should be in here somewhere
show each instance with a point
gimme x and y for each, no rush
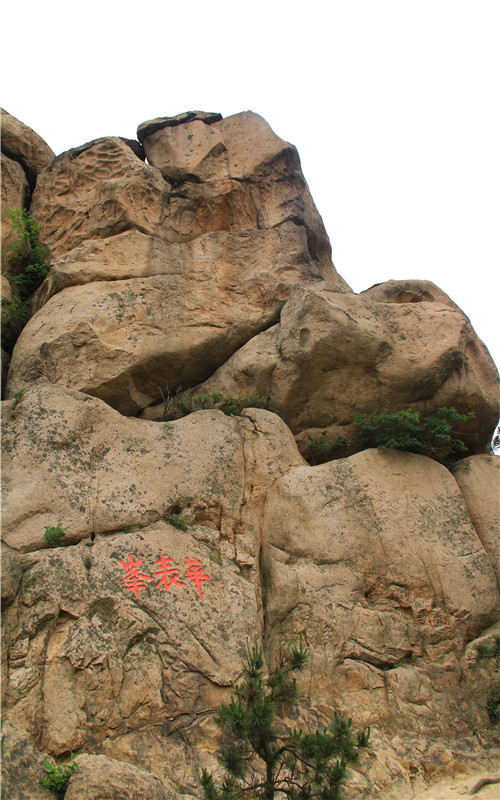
(262, 760)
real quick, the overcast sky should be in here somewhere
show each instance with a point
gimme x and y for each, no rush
(393, 106)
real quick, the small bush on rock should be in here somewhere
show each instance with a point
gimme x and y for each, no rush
(432, 436)
(28, 266)
(176, 521)
(226, 403)
(58, 776)
(493, 705)
(54, 535)
(321, 449)
(27, 256)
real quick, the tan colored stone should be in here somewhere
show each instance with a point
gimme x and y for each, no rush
(101, 778)
(409, 291)
(114, 663)
(381, 561)
(479, 481)
(22, 768)
(99, 189)
(374, 560)
(22, 144)
(68, 438)
(250, 178)
(335, 355)
(153, 125)
(197, 303)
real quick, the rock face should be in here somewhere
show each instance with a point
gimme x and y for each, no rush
(173, 264)
(22, 144)
(207, 268)
(335, 355)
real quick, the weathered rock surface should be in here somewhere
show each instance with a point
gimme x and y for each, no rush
(479, 481)
(372, 558)
(99, 472)
(22, 144)
(101, 778)
(170, 277)
(153, 125)
(185, 540)
(99, 189)
(334, 355)
(155, 313)
(22, 767)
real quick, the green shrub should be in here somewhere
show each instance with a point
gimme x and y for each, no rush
(259, 757)
(492, 705)
(27, 256)
(178, 522)
(27, 267)
(54, 535)
(321, 449)
(490, 650)
(15, 316)
(431, 436)
(58, 776)
(215, 556)
(226, 403)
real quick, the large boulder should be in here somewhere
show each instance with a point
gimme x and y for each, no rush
(99, 189)
(102, 778)
(479, 480)
(173, 265)
(22, 144)
(234, 174)
(99, 472)
(335, 355)
(153, 316)
(112, 645)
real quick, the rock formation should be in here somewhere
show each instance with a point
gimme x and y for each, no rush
(194, 260)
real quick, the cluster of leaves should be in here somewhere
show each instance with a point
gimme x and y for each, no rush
(176, 521)
(259, 756)
(432, 436)
(54, 535)
(493, 705)
(58, 776)
(492, 650)
(226, 403)
(28, 266)
(321, 449)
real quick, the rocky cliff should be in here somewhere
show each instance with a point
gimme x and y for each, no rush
(194, 261)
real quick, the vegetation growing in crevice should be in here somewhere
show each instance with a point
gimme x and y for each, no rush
(321, 449)
(27, 261)
(54, 535)
(215, 400)
(176, 521)
(58, 776)
(487, 650)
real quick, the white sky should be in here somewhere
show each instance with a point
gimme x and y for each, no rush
(392, 104)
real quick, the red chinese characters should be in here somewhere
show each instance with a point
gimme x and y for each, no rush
(168, 574)
(134, 580)
(196, 574)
